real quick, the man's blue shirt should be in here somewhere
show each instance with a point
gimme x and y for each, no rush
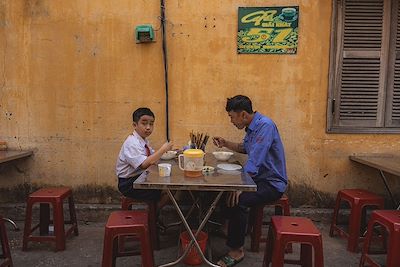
(266, 156)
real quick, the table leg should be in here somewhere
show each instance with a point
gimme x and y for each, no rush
(197, 204)
(388, 189)
(12, 223)
(194, 205)
(193, 237)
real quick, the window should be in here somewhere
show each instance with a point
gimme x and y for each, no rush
(364, 75)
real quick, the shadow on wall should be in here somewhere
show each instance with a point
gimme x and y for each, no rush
(92, 193)
(300, 195)
(306, 196)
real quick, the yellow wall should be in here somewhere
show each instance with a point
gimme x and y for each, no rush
(71, 74)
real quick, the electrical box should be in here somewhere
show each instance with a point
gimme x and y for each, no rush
(144, 33)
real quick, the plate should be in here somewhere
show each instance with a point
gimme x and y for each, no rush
(229, 167)
(229, 172)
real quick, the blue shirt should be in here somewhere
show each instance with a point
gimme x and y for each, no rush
(266, 157)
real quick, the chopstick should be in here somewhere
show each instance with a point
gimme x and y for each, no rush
(199, 140)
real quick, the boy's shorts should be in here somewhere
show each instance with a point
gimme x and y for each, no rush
(125, 186)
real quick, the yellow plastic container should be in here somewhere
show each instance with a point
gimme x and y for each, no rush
(193, 161)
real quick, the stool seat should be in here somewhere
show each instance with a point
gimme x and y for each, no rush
(122, 223)
(286, 229)
(359, 195)
(51, 193)
(390, 221)
(54, 196)
(295, 226)
(6, 259)
(358, 199)
(124, 219)
(391, 217)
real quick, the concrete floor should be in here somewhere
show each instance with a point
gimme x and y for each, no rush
(86, 249)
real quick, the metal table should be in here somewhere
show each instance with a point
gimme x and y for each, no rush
(9, 156)
(389, 163)
(220, 181)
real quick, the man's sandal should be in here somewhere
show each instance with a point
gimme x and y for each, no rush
(229, 261)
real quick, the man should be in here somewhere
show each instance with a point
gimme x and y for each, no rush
(265, 164)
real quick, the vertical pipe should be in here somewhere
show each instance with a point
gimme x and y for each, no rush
(164, 48)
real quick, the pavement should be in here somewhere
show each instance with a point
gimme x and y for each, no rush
(86, 249)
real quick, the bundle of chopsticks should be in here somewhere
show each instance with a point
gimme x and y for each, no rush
(199, 140)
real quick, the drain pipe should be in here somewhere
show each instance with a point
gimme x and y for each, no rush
(165, 59)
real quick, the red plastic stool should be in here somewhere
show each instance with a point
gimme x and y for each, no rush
(127, 203)
(286, 229)
(55, 197)
(6, 253)
(358, 199)
(122, 223)
(256, 221)
(390, 219)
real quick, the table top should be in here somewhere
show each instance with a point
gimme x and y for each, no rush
(389, 163)
(9, 155)
(219, 180)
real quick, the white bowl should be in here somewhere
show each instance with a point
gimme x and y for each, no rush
(222, 155)
(169, 155)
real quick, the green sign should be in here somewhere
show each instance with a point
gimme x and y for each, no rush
(268, 30)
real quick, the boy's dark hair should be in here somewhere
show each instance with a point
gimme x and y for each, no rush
(239, 103)
(137, 114)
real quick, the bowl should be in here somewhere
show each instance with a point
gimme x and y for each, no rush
(169, 155)
(222, 155)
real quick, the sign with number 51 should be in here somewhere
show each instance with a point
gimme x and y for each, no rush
(268, 30)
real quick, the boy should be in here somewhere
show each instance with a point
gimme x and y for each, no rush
(136, 156)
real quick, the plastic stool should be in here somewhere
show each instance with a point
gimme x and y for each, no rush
(55, 197)
(286, 229)
(122, 223)
(358, 199)
(6, 253)
(127, 203)
(390, 219)
(256, 221)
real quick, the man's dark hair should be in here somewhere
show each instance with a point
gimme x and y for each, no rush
(239, 103)
(137, 114)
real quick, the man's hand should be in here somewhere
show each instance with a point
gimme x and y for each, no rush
(219, 141)
(233, 198)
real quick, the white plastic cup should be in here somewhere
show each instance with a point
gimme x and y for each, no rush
(164, 169)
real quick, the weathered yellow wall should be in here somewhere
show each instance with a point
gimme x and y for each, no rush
(71, 74)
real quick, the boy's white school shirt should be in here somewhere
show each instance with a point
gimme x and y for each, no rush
(131, 156)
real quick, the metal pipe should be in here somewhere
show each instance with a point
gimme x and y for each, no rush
(165, 59)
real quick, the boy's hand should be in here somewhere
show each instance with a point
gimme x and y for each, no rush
(219, 141)
(167, 146)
